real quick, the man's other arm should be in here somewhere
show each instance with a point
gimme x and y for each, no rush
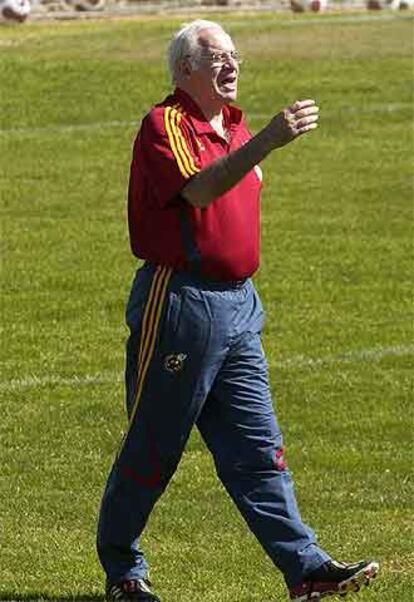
(223, 174)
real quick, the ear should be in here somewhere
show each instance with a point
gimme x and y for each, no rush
(185, 68)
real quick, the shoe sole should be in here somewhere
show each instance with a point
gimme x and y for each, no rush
(353, 584)
(363, 577)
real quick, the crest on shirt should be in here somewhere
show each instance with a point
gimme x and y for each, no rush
(174, 362)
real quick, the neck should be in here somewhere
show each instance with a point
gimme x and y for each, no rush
(213, 112)
(211, 108)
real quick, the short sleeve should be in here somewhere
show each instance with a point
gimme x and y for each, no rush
(166, 149)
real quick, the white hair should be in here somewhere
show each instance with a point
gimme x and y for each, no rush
(185, 44)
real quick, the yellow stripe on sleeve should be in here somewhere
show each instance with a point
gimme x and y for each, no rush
(184, 146)
(173, 144)
(181, 143)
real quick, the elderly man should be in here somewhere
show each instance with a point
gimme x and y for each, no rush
(194, 356)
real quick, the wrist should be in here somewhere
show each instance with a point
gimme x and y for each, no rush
(267, 139)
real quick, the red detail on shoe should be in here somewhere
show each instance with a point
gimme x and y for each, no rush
(279, 459)
(311, 587)
(130, 586)
(313, 590)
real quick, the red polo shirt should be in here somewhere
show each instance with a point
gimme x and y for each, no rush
(173, 144)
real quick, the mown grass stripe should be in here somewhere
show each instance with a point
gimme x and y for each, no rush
(373, 354)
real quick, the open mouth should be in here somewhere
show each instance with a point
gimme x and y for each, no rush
(229, 81)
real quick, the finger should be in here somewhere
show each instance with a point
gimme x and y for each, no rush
(306, 121)
(301, 104)
(307, 128)
(312, 110)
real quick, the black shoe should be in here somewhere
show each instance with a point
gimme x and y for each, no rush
(137, 590)
(334, 578)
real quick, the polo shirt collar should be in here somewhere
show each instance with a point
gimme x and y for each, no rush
(232, 115)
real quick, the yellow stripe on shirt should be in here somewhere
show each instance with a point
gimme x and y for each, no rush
(173, 143)
(181, 143)
(184, 145)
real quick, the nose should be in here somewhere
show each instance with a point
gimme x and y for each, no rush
(231, 60)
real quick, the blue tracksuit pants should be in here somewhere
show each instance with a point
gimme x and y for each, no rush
(194, 356)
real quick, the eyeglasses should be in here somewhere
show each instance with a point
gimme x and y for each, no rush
(218, 59)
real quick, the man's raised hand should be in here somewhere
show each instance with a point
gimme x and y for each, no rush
(299, 118)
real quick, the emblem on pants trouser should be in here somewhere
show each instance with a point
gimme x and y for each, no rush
(174, 362)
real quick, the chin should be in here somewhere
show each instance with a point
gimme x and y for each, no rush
(228, 96)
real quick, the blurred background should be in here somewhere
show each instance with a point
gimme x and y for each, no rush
(19, 10)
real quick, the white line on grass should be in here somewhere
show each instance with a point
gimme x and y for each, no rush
(77, 380)
(97, 125)
(76, 127)
(373, 354)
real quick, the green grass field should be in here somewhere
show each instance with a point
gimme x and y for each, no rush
(336, 280)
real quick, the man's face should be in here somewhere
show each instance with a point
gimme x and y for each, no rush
(216, 69)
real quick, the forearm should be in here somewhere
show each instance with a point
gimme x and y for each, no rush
(223, 174)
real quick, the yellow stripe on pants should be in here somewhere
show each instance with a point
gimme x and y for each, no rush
(149, 331)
